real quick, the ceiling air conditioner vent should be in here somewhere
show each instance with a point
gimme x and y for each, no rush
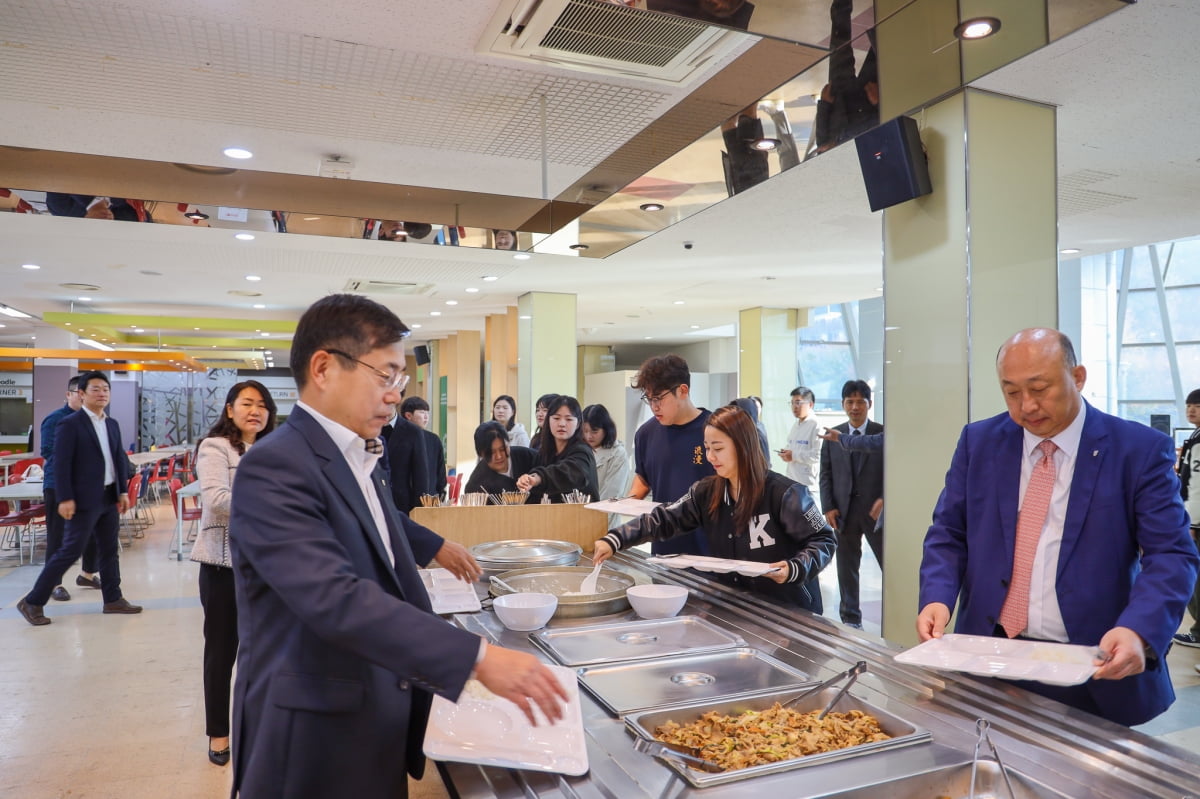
(599, 36)
(386, 287)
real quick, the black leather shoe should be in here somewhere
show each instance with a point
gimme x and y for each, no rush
(60, 594)
(219, 758)
(122, 605)
(87, 582)
(32, 613)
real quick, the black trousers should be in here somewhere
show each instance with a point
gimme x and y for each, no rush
(220, 645)
(853, 526)
(102, 524)
(55, 525)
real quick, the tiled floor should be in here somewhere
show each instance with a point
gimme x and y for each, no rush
(111, 707)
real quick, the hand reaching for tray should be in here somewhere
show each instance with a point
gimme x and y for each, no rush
(523, 680)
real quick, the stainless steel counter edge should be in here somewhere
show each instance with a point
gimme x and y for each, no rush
(1072, 752)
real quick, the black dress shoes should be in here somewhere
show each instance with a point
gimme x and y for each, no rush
(32, 613)
(60, 594)
(219, 758)
(87, 582)
(122, 605)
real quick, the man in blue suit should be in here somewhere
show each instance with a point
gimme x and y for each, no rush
(340, 653)
(91, 481)
(1107, 562)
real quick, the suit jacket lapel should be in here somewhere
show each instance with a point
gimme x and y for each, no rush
(406, 562)
(1008, 479)
(337, 471)
(1088, 462)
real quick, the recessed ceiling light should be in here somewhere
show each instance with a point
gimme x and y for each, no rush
(415, 325)
(679, 302)
(452, 302)
(237, 152)
(435, 313)
(139, 330)
(34, 338)
(651, 206)
(471, 290)
(253, 278)
(265, 334)
(195, 328)
(1069, 251)
(197, 215)
(244, 236)
(259, 305)
(976, 28)
(522, 256)
(647, 338)
(525, 316)
(30, 267)
(490, 278)
(85, 299)
(764, 144)
(579, 246)
(311, 218)
(695, 327)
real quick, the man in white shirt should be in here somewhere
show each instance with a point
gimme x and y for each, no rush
(803, 451)
(340, 653)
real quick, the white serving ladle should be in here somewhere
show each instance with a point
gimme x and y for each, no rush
(588, 586)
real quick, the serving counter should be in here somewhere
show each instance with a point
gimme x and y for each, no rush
(470, 525)
(1050, 750)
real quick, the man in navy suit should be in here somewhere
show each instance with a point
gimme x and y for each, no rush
(1111, 563)
(340, 652)
(852, 497)
(91, 480)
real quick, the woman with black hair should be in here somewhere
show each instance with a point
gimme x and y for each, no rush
(539, 419)
(504, 411)
(248, 415)
(747, 512)
(564, 460)
(612, 462)
(499, 464)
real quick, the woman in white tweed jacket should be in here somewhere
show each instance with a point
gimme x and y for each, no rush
(248, 415)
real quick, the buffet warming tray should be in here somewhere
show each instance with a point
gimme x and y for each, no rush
(634, 640)
(643, 684)
(903, 732)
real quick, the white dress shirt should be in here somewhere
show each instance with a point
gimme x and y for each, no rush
(361, 463)
(1045, 617)
(98, 424)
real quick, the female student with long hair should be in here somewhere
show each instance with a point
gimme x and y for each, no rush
(248, 415)
(504, 411)
(747, 512)
(564, 460)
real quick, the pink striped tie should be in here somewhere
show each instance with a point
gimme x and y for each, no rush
(1014, 616)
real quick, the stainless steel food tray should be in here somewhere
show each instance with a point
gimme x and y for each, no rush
(634, 640)
(903, 732)
(562, 580)
(643, 684)
(525, 553)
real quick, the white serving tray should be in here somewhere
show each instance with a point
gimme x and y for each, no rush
(448, 594)
(627, 506)
(494, 732)
(704, 563)
(1009, 658)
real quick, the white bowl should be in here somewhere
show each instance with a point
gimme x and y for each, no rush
(657, 601)
(525, 611)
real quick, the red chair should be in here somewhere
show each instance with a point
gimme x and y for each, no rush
(162, 475)
(454, 484)
(132, 521)
(191, 514)
(20, 467)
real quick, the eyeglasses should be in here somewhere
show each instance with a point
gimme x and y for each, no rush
(657, 399)
(392, 381)
(796, 402)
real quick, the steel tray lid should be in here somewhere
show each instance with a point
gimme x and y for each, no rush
(527, 551)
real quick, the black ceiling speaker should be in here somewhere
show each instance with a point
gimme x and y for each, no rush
(893, 163)
(421, 353)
